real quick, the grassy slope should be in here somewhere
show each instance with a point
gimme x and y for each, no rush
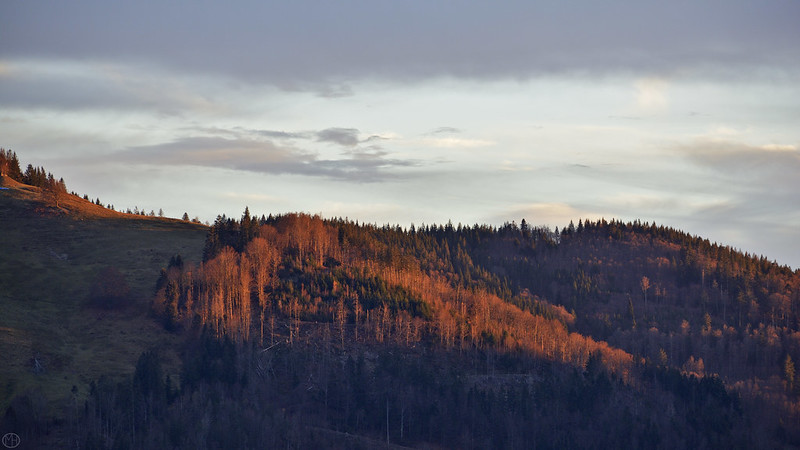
(43, 295)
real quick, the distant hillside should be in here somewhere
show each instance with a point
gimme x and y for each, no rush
(51, 194)
(39, 201)
(524, 310)
(126, 331)
(52, 260)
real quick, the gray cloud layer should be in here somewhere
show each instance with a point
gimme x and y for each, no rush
(775, 165)
(321, 45)
(264, 157)
(347, 137)
(759, 179)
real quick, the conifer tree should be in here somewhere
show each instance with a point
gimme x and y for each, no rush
(9, 165)
(54, 190)
(4, 162)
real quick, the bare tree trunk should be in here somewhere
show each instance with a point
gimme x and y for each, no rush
(387, 421)
(402, 419)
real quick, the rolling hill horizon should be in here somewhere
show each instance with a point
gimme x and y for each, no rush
(598, 324)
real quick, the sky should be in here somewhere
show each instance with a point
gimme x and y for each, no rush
(682, 113)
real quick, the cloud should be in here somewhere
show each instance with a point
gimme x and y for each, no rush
(760, 182)
(67, 85)
(6, 71)
(286, 135)
(456, 142)
(246, 133)
(371, 153)
(239, 196)
(763, 182)
(779, 147)
(321, 47)
(219, 152)
(662, 204)
(378, 137)
(651, 94)
(347, 137)
(445, 130)
(508, 165)
(775, 165)
(334, 91)
(265, 157)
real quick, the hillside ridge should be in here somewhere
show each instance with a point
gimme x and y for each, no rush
(52, 262)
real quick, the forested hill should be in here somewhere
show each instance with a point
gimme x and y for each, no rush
(617, 322)
(302, 332)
